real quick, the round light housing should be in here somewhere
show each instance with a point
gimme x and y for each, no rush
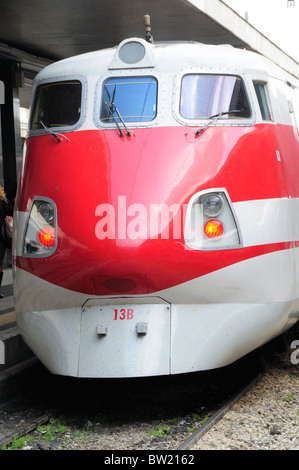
(212, 205)
(213, 229)
(46, 236)
(132, 52)
(46, 211)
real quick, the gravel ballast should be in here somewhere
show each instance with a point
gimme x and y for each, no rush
(267, 417)
(155, 415)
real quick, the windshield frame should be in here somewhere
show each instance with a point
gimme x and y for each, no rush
(59, 129)
(221, 121)
(99, 93)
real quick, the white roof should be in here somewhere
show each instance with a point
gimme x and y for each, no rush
(165, 57)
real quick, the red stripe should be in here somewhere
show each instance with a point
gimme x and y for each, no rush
(160, 165)
(151, 273)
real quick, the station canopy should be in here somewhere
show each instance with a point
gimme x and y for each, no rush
(37, 32)
(56, 29)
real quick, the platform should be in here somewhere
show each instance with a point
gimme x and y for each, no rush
(13, 350)
(7, 313)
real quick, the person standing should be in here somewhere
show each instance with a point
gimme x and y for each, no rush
(6, 210)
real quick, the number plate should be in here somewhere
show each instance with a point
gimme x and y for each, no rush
(125, 340)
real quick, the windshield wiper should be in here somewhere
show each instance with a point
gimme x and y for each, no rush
(56, 136)
(215, 118)
(111, 107)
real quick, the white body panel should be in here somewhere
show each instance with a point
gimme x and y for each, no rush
(185, 331)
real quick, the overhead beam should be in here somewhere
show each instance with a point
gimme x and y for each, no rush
(226, 17)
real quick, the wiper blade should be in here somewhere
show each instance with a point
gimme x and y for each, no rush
(56, 136)
(112, 108)
(215, 118)
(50, 132)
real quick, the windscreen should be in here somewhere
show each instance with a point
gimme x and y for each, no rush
(57, 104)
(204, 96)
(133, 99)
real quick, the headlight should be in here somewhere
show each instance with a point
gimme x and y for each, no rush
(211, 223)
(46, 211)
(41, 231)
(212, 205)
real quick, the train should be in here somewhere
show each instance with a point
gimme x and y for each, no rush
(156, 223)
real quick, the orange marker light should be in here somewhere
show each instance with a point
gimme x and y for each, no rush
(213, 229)
(47, 236)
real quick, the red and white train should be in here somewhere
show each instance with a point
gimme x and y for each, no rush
(157, 214)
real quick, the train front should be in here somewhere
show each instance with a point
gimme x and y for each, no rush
(125, 227)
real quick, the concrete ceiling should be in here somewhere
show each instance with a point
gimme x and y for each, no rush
(56, 29)
(37, 32)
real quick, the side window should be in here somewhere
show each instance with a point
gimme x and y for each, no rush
(260, 91)
(292, 95)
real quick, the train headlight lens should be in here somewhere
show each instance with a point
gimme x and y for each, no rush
(213, 229)
(46, 211)
(212, 205)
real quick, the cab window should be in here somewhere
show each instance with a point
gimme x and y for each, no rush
(132, 99)
(206, 95)
(57, 104)
(262, 100)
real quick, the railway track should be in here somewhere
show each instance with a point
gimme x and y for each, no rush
(177, 416)
(217, 416)
(158, 414)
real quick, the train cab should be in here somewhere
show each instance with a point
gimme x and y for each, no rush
(156, 223)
